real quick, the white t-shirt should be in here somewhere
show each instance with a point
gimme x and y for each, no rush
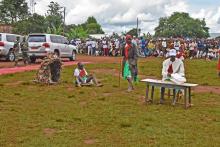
(164, 44)
(77, 72)
(104, 44)
(117, 44)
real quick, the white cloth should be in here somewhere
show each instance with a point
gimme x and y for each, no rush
(178, 67)
(177, 78)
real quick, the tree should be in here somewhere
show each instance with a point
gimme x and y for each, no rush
(77, 32)
(55, 30)
(54, 15)
(92, 26)
(181, 25)
(91, 19)
(132, 32)
(12, 11)
(34, 24)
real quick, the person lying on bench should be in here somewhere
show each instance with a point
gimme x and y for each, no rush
(82, 77)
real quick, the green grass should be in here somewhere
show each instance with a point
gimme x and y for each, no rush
(107, 116)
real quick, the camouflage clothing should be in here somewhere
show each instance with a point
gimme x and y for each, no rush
(50, 70)
(16, 50)
(24, 50)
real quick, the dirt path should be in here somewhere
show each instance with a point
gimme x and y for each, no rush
(8, 67)
(207, 89)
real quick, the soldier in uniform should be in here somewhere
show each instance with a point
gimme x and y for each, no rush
(16, 49)
(24, 50)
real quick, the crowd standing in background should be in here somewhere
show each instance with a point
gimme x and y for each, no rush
(186, 48)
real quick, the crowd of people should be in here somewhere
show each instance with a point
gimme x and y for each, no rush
(186, 48)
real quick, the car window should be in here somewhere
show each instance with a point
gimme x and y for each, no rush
(11, 38)
(37, 38)
(59, 39)
(53, 39)
(0, 37)
(65, 40)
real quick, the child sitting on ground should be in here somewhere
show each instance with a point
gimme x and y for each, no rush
(82, 77)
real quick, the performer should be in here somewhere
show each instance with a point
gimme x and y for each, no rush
(171, 66)
(129, 64)
(82, 77)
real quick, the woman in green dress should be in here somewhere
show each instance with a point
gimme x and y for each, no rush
(129, 65)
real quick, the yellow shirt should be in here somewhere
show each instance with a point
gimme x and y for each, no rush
(151, 46)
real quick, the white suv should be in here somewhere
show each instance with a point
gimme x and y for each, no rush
(42, 44)
(6, 45)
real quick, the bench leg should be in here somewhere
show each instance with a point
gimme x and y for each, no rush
(174, 96)
(162, 93)
(152, 93)
(185, 97)
(190, 100)
(147, 94)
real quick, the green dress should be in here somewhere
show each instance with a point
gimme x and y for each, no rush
(126, 71)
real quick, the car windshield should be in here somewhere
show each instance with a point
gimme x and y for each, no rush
(37, 38)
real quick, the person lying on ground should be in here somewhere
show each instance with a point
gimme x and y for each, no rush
(83, 78)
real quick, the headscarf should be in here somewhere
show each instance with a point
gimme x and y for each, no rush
(128, 37)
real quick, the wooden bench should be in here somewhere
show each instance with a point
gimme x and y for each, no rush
(170, 85)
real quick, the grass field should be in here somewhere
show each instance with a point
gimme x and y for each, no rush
(63, 116)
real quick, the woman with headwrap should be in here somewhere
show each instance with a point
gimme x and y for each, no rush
(129, 64)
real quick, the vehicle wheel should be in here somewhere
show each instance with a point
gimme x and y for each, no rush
(73, 57)
(11, 56)
(32, 59)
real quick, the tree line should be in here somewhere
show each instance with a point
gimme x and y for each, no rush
(16, 13)
(179, 25)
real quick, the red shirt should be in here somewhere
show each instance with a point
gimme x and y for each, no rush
(127, 47)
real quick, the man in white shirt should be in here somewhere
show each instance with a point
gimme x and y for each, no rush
(171, 66)
(164, 44)
(93, 47)
(105, 47)
(89, 45)
(177, 45)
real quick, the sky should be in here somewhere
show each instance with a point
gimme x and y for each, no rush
(121, 15)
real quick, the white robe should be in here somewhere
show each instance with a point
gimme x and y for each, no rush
(178, 67)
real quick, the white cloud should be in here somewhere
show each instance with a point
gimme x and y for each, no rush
(121, 15)
(212, 17)
(174, 6)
